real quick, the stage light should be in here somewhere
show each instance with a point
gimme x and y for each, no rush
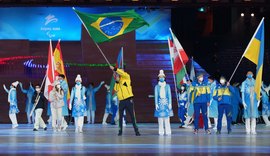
(201, 9)
(242, 14)
(252, 14)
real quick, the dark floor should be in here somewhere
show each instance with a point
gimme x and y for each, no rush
(103, 140)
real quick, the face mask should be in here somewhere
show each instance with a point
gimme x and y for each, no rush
(60, 80)
(182, 88)
(38, 89)
(162, 79)
(78, 82)
(249, 76)
(201, 79)
(222, 81)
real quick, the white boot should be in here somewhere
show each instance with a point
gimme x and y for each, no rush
(248, 125)
(266, 120)
(160, 126)
(253, 126)
(168, 130)
(105, 118)
(215, 122)
(209, 123)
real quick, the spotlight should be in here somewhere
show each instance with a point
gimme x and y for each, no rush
(252, 14)
(242, 14)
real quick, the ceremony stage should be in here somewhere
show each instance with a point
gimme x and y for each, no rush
(103, 140)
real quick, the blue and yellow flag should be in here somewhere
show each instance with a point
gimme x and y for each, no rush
(107, 26)
(255, 53)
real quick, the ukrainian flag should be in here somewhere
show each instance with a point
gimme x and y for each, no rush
(255, 53)
(107, 26)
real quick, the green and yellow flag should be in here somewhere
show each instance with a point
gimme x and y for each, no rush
(108, 26)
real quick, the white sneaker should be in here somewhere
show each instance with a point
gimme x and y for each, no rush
(253, 133)
(104, 123)
(65, 127)
(247, 133)
(161, 133)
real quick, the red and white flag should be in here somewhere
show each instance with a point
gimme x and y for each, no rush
(51, 72)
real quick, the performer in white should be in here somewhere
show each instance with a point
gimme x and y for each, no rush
(77, 99)
(12, 100)
(57, 103)
(108, 105)
(163, 104)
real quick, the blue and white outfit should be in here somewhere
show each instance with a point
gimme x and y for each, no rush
(114, 110)
(182, 110)
(29, 105)
(265, 105)
(250, 103)
(91, 102)
(213, 107)
(12, 100)
(77, 101)
(163, 104)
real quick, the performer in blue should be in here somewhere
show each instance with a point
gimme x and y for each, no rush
(108, 104)
(91, 101)
(213, 108)
(201, 101)
(182, 102)
(29, 94)
(265, 104)
(64, 86)
(12, 100)
(114, 110)
(189, 105)
(222, 94)
(163, 104)
(77, 101)
(236, 101)
(250, 103)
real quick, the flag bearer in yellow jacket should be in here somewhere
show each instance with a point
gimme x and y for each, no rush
(124, 93)
(222, 94)
(201, 102)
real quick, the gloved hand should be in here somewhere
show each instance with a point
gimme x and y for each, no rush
(157, 107)
(245, 105)
(258, 103)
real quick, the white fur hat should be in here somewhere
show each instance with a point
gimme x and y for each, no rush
(78, 78)
(161, 73)
(15, 84)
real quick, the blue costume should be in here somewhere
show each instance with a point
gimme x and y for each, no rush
(201, 98)
(90, 97)
(265, 103)
(182, 101)
(223, 95)
(12, 99)
(108, 103)
(247, 88)
(213, 108)
(163, 103)
(114, 108)
(64, 86)
(29, 94)
(236, 100)
(78, 103)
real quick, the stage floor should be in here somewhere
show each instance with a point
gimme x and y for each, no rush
(98, 139)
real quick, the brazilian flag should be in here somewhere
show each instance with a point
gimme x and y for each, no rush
(108, 26)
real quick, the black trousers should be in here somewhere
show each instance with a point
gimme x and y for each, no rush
(127, 105)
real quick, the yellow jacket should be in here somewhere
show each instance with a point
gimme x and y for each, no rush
(123, 87)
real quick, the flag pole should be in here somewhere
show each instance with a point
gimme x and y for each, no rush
(184, 66)
(122, 49)
(102, 53)
(174, 79)
(245, 50)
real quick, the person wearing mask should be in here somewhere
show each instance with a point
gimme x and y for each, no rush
(64, 87)
(29, 94)
(56, 99)
(39, 102)
(125, 96)
(250, 103)
(201, 102)
(13, 103)
(77, 101)
(222, 94)
(182, 105)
